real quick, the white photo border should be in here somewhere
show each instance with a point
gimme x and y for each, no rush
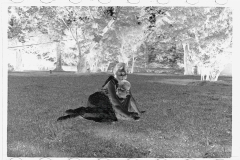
(187, 3)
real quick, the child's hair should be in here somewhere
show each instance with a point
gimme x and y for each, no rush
(123, 87)
(125, 84)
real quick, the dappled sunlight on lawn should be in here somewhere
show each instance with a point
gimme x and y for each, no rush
(121, 136)
(155, 142)
(136, 140)
(189, 82)
(176, 81)
(25, 149)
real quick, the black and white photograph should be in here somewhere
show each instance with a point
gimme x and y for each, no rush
(112, 81)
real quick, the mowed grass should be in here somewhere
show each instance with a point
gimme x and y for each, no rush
(184, 117)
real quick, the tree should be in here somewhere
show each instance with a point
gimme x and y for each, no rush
(201, 31)
(132, 38)
(89, 37)
(157, 43)
(88, 25)
(123, 18)
(34, 20)
(18, 27)
(215, 39)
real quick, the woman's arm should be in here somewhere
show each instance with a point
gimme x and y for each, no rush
(109, 79)
(134, 104)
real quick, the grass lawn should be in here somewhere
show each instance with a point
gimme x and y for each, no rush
(184, 117)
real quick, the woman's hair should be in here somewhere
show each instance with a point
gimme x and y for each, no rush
(119, 66)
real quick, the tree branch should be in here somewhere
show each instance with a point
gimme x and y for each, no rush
(31, 45)
(69, 29)
(89, 10)
(75, 38)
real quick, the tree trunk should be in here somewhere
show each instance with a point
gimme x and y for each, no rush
(120, 57)
(146, 55)
(107, 66)
(95, 65)
(19, 65)
(133, 62)
(59, 57)
(123, 58)
(185, 59)
(108, 26)
(218, 71)
(215, 78)
(81, 66)
(187, 66)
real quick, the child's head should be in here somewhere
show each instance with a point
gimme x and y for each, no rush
(123, 88)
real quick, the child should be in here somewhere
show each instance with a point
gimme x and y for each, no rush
(123, 89)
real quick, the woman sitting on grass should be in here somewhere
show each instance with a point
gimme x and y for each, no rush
(113, 102)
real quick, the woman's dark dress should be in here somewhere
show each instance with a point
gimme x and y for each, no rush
(99, 107)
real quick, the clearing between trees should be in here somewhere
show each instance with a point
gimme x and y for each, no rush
(184, 117)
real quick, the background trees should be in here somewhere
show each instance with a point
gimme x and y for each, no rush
(205, 33)
(91, 38)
